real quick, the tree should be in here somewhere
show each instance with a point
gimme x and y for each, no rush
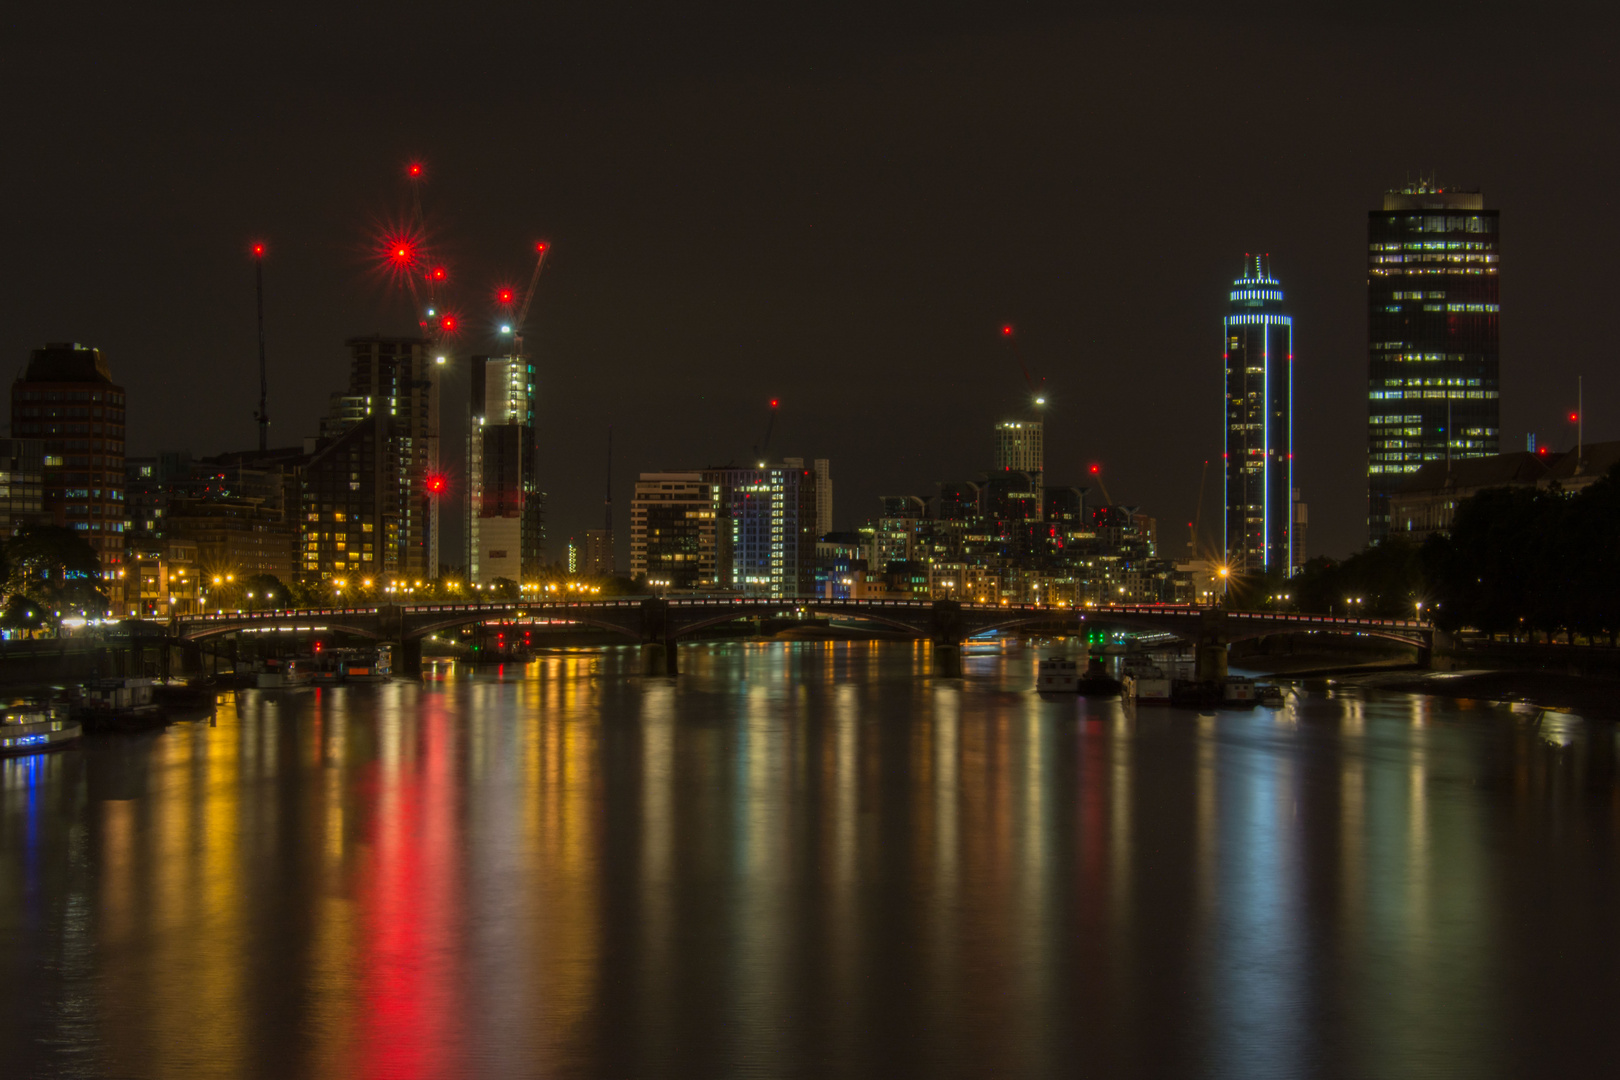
(1386, 581)
(21, 613)
(56, 567)
(266, 591)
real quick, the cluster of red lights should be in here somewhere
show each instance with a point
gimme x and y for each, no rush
(437, 484)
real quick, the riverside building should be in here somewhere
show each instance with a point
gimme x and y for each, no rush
(67, 399)
(1433, 370)
(675, 536)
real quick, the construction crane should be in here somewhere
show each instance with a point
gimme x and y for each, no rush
(764, 445)
(1096, 474)
(1198, 513)
(541, 249)
(263, 415)
(1037, 397)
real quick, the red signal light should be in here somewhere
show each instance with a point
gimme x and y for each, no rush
(258, 250)
(415, 169)
(436, 483)
(541, 247)
(1095, 469)
(1007, 331)
(437, 273)
(773, 403)
(1574, 418)
(504, 296)
(448, 324)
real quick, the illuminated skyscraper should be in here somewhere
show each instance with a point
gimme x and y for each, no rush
(1433, 359)
(367, 511)
(506, 522)
(1259, 423)
(1020, 473)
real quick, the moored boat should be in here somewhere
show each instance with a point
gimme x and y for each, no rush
(36, 729)
(119, 705)
(1057, 675)
(284, 674)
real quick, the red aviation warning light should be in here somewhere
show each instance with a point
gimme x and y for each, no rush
(773, 403)
(258, 251)
(449, 323)
(1095, 469)
(414, 170)
(541, 247)
(437, 484)
(437, 274)
(1574, 418)
(504, 296)
(1007, 330)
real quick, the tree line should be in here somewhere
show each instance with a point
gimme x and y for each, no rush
(1524, 562)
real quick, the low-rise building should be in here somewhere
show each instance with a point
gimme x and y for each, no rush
(1427, 502)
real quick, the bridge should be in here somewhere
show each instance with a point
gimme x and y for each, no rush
(658, 623)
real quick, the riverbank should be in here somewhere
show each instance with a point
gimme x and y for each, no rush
(1592, 697)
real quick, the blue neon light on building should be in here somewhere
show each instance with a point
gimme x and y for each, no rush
(1259, 474)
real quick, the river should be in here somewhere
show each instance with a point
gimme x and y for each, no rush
(812, 860)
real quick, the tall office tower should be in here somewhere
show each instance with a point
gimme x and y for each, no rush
(676, 538)
(1433, 355)
(821, 524)
(367, 509)
(1021, 448)
(1259, 358)
(67, 398)
(506, 510)
(599, 556)
(824, 503)
(768, 516)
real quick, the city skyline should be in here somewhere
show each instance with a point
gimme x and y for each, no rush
(674, 323)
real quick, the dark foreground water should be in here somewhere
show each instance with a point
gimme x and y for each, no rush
(815, 861)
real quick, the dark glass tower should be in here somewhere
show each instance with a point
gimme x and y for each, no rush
(1259, 424)
(1433, 363)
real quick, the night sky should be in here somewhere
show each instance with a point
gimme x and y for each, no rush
(836, 208)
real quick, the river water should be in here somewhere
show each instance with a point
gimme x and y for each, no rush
(812, 860)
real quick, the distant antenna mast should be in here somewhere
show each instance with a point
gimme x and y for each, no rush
(608, 517)
(263, 415)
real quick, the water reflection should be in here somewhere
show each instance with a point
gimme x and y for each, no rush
(810, 860)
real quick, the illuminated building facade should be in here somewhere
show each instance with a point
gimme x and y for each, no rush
(1433, 355)
(366, 511)
(506, 510)
(769, 524)
(22, 485)
(1259, 458)
(675, 535)
(66, 397)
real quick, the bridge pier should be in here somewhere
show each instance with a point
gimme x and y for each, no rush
(658, 652)
(410, 657)
(946, 632)
(1210, 652)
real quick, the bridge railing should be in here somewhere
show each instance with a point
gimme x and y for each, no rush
(821, 602)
